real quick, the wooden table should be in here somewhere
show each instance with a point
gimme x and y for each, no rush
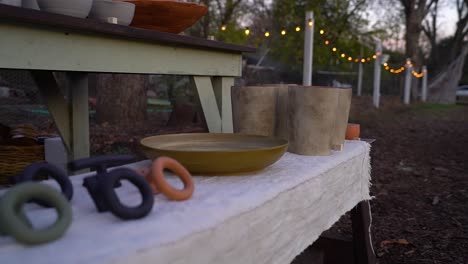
(45, 43)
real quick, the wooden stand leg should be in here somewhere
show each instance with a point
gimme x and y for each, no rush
(70, 114)
(362, 242)
(215, 98)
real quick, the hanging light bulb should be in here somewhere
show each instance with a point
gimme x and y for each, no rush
(374, 57)
(283, 32)
(356, 60)
(392, 70)
(247, 31)
(322, 32)
(334, 49)
(350, 58)
(310, 23)
(343, 55)
(363, 60)
(298, 29)
(327, 42)
(385, 64)
(223, 27)
(267, 34)
(368, 59)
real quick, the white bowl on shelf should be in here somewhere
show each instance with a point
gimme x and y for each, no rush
(11, 2)
(102, 10)
(74, 8)
(31, 4)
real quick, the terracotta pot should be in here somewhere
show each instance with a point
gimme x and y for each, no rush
(352, 131)
(166, 16)
(341, 118)
(312, 112)
(254, 110)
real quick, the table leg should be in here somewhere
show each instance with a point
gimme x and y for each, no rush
(222, 88)
(70, 113)
(215, 98)
(362, 242)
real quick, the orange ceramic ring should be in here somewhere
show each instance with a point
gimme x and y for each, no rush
(159, 182)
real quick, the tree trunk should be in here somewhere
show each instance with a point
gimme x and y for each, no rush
(121, 98)
(443, 89)
(413, 32)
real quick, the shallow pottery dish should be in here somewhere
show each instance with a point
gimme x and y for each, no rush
(103, 9)
(217, 154)
(166, 16)
(74, 8)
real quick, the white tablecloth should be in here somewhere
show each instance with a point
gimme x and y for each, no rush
(267, 217)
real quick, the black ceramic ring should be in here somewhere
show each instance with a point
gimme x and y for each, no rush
(35, 170)
(113, 202)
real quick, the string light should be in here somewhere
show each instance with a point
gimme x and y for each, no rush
(247, 31)
(298, 29)
(322, 32)
(350, 58)
(385, 64)
(343, 55)
(283, 32)
(267, 34)
(418, 75)
(223, 27)
(310, 23)
(356, 60)
(368, 59)
(374, 57)
(327, 42)
(334, 49)
(363, 60)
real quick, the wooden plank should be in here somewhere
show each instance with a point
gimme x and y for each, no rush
(78, 94)
(41, 49)
(222, 89)
(56, 103)
(208, 102)
(362, 242)
(33, 18)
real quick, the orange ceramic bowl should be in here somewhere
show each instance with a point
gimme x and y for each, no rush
(352, 131)
(166, 15)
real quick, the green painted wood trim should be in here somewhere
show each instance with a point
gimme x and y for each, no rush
(56, 50)
(78, 91)
(208, 102)
(56, 103)
(222, 90)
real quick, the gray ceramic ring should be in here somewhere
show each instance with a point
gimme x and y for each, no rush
(14, 222)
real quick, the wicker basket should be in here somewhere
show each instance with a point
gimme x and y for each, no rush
(13, 159)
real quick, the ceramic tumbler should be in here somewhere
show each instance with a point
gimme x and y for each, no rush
(341, 118)
(312, 112)
(254, 110)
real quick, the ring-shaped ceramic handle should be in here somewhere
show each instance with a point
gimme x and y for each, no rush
(34, 170)
(14, 222)
(159, 183)
(112, 200)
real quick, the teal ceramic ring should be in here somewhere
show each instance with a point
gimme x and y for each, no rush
(14, 222)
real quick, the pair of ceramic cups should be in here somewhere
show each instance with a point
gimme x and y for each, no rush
(312, 118)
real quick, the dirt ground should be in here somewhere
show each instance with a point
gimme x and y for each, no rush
(420, 180)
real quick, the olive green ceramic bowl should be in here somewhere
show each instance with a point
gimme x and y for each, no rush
(217, 154)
